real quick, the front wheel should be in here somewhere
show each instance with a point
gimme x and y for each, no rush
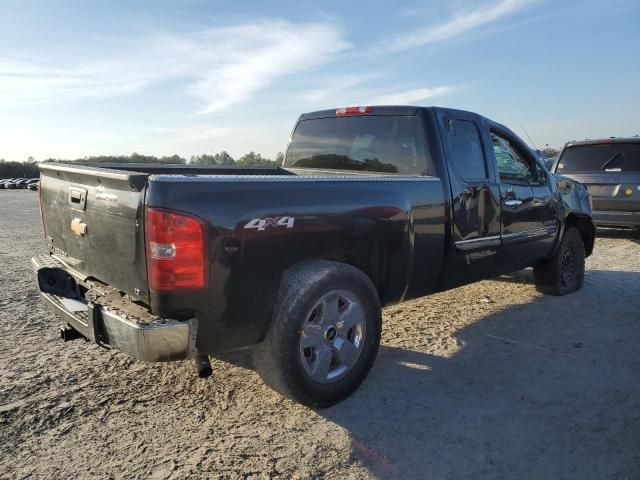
(564, 272)
(324, 334)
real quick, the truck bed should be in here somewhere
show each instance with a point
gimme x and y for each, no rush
(259, 221)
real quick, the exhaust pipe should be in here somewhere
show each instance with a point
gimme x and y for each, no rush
(203, 366)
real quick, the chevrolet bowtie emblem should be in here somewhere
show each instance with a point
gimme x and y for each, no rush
(78, 227)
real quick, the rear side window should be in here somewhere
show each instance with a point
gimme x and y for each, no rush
(467, 149)
(606, 157)
(381, 144)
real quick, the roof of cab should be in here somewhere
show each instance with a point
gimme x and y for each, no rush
(377, 110)
(392, 110)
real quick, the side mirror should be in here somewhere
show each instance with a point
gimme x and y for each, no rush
(541, 174)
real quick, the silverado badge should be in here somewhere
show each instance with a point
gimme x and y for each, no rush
(78, 227)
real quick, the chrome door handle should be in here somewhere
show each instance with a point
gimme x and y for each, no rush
(513, 203)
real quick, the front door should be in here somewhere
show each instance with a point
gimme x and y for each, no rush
(529, 208)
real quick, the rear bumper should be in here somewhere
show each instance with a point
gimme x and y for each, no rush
(616, 218)
(145, 337)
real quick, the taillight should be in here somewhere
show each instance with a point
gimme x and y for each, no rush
(346, 111)
(176, 250)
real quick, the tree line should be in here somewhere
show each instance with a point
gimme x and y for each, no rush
(29, 169)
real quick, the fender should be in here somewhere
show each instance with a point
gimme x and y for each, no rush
(575, 209)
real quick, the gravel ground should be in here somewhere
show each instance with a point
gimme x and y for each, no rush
(492, 380)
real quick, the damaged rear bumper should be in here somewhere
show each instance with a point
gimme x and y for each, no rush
(107, 317)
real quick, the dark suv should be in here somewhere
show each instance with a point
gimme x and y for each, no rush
(610, 169)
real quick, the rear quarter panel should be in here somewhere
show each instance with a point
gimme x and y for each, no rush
(390, 227)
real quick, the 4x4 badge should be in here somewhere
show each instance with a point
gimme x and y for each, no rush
(263, 223)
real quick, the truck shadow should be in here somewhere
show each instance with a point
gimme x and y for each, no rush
(546, 389)
(627, 234)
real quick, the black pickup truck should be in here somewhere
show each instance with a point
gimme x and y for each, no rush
(372, 206)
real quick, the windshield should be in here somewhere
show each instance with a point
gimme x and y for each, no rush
(383, 144)
(607, 157)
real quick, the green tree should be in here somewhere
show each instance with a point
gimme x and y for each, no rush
(223, 158)
(279, 158)
(133, 158)
(254, 159)
(19, 169)
(173, 159)
(203, 160)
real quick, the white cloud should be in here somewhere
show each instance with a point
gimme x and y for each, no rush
(37, 82)
(352, 92)
(220, 67)
(330, 88)
(461, 22)
(410, 96)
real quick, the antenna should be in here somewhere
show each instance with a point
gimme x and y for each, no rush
(525, 132)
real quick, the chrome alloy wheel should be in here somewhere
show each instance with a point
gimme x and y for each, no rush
(332, 336)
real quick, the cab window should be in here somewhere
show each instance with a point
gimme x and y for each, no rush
(383, 144)
(512, 163)
(468, 156)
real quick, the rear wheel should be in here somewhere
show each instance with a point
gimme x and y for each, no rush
(564, 272)
(324, 334)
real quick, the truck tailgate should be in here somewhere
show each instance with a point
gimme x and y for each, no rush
(93, 222)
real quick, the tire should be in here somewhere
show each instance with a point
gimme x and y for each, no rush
(324, 335)
(564, 272)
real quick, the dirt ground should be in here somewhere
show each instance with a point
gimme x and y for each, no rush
(488, 381)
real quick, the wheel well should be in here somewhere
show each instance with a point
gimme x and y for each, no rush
(373, 266)
(586, 228)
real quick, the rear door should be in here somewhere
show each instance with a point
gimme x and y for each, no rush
(92, 220)
(475, 196)
(529, 207)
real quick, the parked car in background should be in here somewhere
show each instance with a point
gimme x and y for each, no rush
(34, 184)
(372, 206)
(17, 183)
(610, 169)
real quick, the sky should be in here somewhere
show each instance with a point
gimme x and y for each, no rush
(88, 77)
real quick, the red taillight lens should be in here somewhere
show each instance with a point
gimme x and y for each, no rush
(345, 111)
(176, 250)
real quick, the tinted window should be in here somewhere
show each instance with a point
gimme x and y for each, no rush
(467, 149)
(383, 144)
(512, 164)
(613, 157)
